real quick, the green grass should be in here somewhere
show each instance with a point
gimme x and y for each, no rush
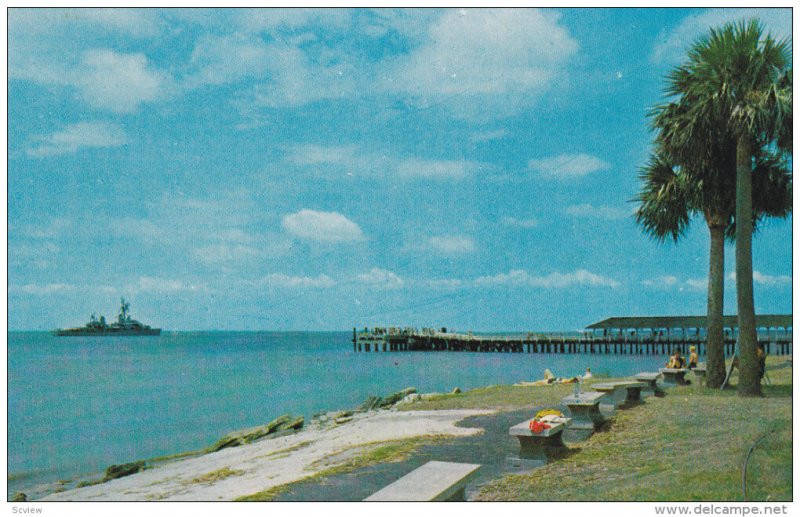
(501, 398)
(689, 446)
(387, 452)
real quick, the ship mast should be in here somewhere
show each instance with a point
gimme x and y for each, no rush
(123, 310)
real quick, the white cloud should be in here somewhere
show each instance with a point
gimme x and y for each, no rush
(481, 63)
(322, 226)
(355, 160)
(53, 229)
(567, 166)
(671, 46)
(72, 48)
(663, 282)
(763, 279)
(476, 54)
(222, 59)
(519, 223)
(602, 212)
(381, 279)
(669, 281)
(451, 244)
(42, 290)
(148, 284)
(435, 169)
(59, 288)
(288, 75)
(42, 43)
(31, 246)
(281, 280)
(138, 23)
(119, 82)
(257, 20)
(225, 233)
(515, 277)
(474, 63)
(521, 278)
(80, 135)
(225, 253)
(295, 79)
(697, 283)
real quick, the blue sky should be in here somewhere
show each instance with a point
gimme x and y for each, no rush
(323, 169)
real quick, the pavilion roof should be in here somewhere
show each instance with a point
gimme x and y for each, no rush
(667, 322)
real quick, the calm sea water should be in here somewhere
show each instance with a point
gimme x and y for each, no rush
(79, 404)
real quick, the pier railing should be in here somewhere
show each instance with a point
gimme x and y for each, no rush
(429, 340)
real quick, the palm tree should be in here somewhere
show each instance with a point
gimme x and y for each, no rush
(672, 195)
(669, 198)
(738, 80)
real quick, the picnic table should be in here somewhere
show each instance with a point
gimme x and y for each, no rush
(585, 410)
(633, 393)
(537, 448)
(676, 376)
(651, 380)
(434, 481)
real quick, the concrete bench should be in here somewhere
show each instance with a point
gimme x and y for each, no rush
(535, 449)
(676, 376)
(585, 410)
(651, 379)
(434, 481)
(633, 393)
(700, 373)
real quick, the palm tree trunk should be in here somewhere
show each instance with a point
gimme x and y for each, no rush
(749, 381)
(715, 358)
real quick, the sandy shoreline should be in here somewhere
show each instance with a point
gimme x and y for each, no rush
(240, 471)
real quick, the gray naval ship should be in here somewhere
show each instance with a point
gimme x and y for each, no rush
(124, 326)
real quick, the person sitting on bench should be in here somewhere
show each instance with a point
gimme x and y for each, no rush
(676, 361)
(692, 358)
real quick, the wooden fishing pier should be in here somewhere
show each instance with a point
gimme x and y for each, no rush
(639, 336)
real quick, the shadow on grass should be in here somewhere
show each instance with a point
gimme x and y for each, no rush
(780, 390)
(768, 390)
(565, 452)
(605, 427)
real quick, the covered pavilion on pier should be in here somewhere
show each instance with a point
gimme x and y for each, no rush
(772, 328)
